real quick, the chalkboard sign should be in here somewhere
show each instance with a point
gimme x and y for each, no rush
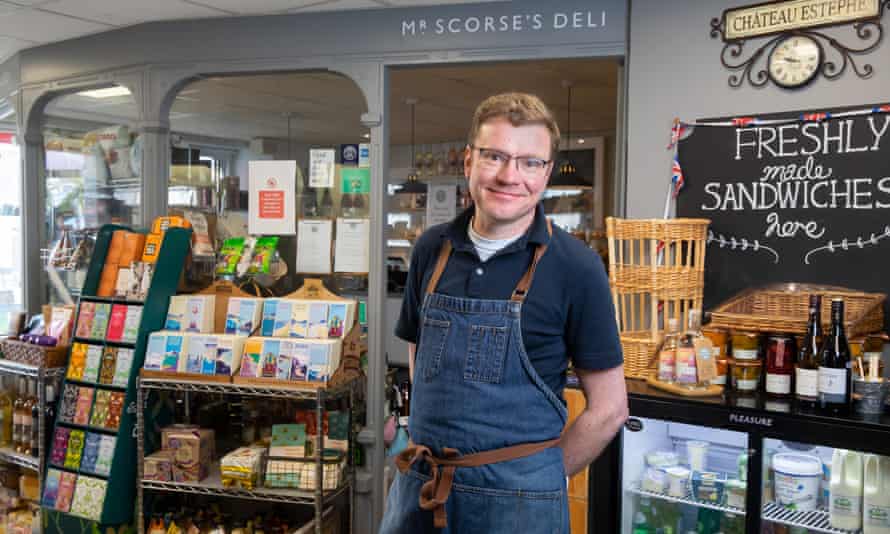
(796, 201)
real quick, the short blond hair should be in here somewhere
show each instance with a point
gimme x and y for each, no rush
(518, 108)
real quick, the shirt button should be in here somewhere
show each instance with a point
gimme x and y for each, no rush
(479, 271)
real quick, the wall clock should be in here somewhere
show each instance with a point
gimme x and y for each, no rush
(795, 61)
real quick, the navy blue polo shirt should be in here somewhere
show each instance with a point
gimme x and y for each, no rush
(568, 312)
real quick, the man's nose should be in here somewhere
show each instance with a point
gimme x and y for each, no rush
(509, 173)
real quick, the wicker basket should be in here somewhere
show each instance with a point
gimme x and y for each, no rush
(656, 272)
(36, 355)
(785, 308)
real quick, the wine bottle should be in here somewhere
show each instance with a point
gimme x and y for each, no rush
(835, 374)
(807, 368)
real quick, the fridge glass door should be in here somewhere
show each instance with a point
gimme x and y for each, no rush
(813, 488)
(680, 478)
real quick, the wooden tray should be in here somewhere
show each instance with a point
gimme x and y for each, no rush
(278, 383)
(710, 391)
(191, 377)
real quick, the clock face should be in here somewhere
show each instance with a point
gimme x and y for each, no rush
(795, 61)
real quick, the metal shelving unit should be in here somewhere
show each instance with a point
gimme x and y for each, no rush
(814, 520)
(212, 485)
(688, 499)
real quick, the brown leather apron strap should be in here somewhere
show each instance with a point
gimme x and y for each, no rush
(526, 281)
(434, 492)
(444, 253)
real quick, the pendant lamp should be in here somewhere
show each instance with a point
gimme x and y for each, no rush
(412, 185)
(566, 175)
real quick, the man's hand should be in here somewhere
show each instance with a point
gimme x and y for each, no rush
(605, 412)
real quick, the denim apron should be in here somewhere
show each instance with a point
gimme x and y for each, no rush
(477, 398)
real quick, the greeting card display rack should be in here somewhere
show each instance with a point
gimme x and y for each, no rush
(120, 483)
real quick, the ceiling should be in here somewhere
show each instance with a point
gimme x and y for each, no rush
(326, 108)
(27, 23)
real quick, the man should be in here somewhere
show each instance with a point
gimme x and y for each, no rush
(497, 301)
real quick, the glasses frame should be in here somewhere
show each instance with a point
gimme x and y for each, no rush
(511, 157)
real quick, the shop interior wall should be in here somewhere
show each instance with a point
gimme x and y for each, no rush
(675, 71)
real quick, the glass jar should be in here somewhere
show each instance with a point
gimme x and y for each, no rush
(780, 353)
(720, 339)
(746, 375)
(745, 345)
(722, 371)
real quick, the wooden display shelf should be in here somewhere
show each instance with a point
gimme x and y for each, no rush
(709, 391)
(278, 383)
(193, 377)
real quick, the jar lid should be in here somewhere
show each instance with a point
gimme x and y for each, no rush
(677, 472)
(781, 337)
(744, 333)
(791, 463)
(745, 362)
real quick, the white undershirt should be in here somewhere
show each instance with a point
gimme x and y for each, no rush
(485, 247)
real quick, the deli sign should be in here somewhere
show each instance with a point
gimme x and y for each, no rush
(777, 17)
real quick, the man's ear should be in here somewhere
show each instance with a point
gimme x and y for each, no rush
(468, 161)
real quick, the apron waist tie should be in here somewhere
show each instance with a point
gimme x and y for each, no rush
(434, 492)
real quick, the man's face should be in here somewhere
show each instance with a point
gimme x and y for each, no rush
(505, 195)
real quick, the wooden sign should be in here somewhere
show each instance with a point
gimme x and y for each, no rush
(778, 17)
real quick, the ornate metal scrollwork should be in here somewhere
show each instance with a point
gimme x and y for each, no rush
(871, 32)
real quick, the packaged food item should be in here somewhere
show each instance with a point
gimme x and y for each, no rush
(122, 367)
(93, 363)
(155, 350)
(152, 249)
(100, 408)
(229, 351)
(201, 242)
(89, 497)
(115, 410)
(246, 255)
(90, 452)
(75, 449)
(192, 450)
(133, 246)
(60, 446)
(116, 322)
(662, 459)
(746, 375)
(162, 224)
(654, 480)
(59, 327)
(229, 254)
(172, 352)
(106, 370)
(263, 252)
(77, 361)
(106, 455)
(745, 345)
(243, 315)
(735, 493)
(131, 325)
(85, 319)
(82, 407)
(66, 491)
(720, 340)
(101, 316)
(797, 479)
(68, 404)
(708, 486)
(158, 466)
(678, 481)
(288, 441)
(242, 467)
(251, 360)
(51, 488)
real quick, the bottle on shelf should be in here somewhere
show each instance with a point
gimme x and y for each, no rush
(876, 495)
(27, 420)
(806, 386)
(667, 355)
(5, 414)
(690, 342)
(49, 416)
(835, 374)
(35, 424)
(17, 415)
(780, 356)
(845, 511)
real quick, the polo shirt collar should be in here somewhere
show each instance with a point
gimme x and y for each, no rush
(536, 234)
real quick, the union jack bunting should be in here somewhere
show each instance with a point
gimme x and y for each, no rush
(677, 176)
(744, 121)
(677, 131)
(881, 109)
(815, 116)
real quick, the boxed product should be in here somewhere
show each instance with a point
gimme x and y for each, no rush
(82, 408)
(108, 279)
(283, 313)
(192, 448)
(338, 431)
(226, 354)
(172, 352)
(51, 488)
(251, 360)
(229, 254)
(122, 367)
(66, 491)
(101, 408)
(106, 369)
(77, 361)
(270, 307)
(708, 486)
(60, 446)
(193, 350)
(93, 363)
(115, 410)
(106, 455)
(85, 319)
(131, 324)
(75, 449)
(152, 248)
(89, 497)
(243, 315)
(162, 224)
(155, 350)
(288, 441)
(158, 466)
(269, 361)
(324, 357)
(90, 452)
(101, 315)
(242, 467)
(318, 320)
(116, 322)
(68, 404)
(60, 324)
(191, 313)
(132, 248)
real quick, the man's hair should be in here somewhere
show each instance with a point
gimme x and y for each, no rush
(518, 108)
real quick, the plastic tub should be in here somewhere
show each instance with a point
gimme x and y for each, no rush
(797, 480)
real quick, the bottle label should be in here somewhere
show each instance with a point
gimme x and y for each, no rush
(877, 516)
(833, 383)
(686, 373)
(666, 365)
(846, 505)
(746, 385)
(807, 383)
(746, 354)
(778, 384)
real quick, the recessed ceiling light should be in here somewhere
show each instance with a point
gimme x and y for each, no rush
(580, 140)
(366, 136)
(108, 92)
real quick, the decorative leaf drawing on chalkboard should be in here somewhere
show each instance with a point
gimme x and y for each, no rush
(847, 244)
(740, 244)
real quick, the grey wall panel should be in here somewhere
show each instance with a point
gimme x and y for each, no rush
(573, 26)
(675, 71)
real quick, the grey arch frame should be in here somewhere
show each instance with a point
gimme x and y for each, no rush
(33, 78)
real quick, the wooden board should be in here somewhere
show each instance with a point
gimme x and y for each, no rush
(278, 383)
(710, 391)
(191, 377)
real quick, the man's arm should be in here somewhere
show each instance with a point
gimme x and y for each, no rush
(605, 412)
(411, 349)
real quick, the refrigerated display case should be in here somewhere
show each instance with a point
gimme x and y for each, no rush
(767, 465)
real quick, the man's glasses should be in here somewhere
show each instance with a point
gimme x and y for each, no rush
(494, 160)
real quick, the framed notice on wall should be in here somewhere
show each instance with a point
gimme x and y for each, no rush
(271, 205)
(793, 197)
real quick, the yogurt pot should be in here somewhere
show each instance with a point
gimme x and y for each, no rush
(797, 479)
(654, 480)
(678, 481)
(735, 493)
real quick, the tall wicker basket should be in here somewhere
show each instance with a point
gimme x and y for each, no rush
(656, 272)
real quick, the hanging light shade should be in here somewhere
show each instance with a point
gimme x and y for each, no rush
(565, 173)
(412, 185)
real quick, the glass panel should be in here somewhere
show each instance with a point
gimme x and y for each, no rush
(812, 488)
(93, 162)
(11, 234)
(682, 478)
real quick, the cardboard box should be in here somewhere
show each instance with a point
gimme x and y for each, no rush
(192, 450)
(288, 441)
(133, 246)
(131, 324)
(101, 316)
(158, 466)
(122, 367)
(229, 350)
(92, 364)
(152, 248)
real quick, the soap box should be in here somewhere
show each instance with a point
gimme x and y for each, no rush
(154, 352)
(288, 441)
(158, 466)
(192, 451)
(243, 315)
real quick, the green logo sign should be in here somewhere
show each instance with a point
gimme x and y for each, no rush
(356, 180)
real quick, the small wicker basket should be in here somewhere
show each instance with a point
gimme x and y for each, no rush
(36, 355)
(656, 272)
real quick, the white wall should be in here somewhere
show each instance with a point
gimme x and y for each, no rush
(675, 71)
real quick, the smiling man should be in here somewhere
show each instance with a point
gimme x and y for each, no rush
(497, 303)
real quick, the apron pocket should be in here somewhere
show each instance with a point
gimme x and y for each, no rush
(519, 512)
(486, 353)
(428, 358)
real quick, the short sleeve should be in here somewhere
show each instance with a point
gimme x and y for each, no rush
(409, 317)
(591, 331)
